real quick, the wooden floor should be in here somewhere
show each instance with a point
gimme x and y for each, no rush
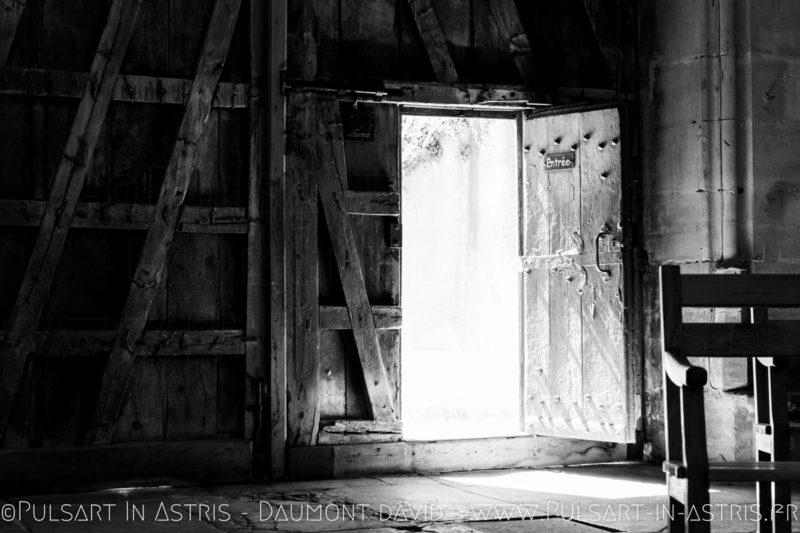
(610, 497)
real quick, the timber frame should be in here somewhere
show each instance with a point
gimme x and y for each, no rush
(297, 188)
(338, 447)
(232, 456)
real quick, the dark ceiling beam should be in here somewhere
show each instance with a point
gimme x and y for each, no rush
(604, 25)
(507, 18)
(434, 40)
(10, 15)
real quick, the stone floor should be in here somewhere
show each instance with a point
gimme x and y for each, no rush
(609, 497)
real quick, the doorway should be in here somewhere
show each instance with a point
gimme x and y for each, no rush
(460, 349)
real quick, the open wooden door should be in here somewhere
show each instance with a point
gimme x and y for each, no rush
(576, 384)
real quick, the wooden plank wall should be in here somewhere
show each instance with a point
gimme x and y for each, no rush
(353, 43)
(196, 396)
(372, 165)
(380, 40)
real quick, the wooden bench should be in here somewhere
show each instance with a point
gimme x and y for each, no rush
(769, 344)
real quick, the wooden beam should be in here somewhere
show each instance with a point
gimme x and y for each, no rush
(276, 103)
(176, 463)
(345, 250)
(63, 200)
(257, 422)
(362, 426)
(153, 257)
(42, 83)
(604, 26)
(772, 339)
(96, 215)
(302, 270)
(11, 13)
(155, 343)
(429, 93)
(506, 16)
(424, 457)
(434, 40)
(371, 203)
(386, 317)
(358, 431)
(746, 290)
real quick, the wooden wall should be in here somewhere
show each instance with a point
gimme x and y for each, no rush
(380, 40)
(199, 394)
(562, 50)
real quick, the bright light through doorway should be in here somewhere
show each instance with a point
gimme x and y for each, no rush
(460, 278)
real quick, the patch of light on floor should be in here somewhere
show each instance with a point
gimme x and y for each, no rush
(127, 490)
(552, 482)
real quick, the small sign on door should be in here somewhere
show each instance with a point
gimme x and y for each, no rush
(560, 161)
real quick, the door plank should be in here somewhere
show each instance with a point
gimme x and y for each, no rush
(536, 222)
(159, 237)
(64, 193)
(605, 386)
(349, 265)
(566, 281)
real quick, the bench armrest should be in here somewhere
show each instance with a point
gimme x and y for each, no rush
(682, 373)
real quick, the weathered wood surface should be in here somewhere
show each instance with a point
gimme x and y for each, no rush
(153, 343)
(302, 270)
(757, 290)
(130, 88)
(773, 339)
(372, 203)
(12, 12)
(359, 431)
(415, 92)
(337, 318)
(276, 105)
(507, 18)
(160, 234)
(447, 456)
(575, 358)
(64, 194)
(151, 463)
(343, 242)
(96, 215)
(362, 426)
(256, 363)
(372, 165)
(434, 39)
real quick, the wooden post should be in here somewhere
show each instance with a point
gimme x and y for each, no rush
(435, 43)
(276, 63)
(302, 270)
(63, 199)
(10, 14)
(257, 419)
(331, 192)
(156, 248)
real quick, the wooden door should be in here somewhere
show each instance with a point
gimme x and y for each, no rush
(576, 384)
